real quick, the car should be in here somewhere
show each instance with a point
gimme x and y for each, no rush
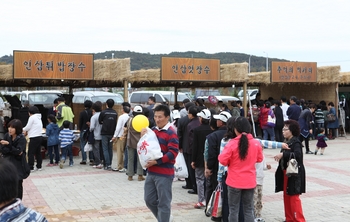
(81, 96)
(165, 97)
(223, 99)
(40, 97)
(251, 92)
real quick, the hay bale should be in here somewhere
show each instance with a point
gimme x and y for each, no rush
(235, 72)
(145, 75)
(344, 77)
(115, 70)
(328, 74)
(6, 72)
(259, 77)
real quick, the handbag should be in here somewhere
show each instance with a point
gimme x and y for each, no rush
(271, 121)
(214, 207)
(292, 166)
(180, 166)
(330, 118)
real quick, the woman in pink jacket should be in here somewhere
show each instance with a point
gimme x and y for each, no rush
(240, 155)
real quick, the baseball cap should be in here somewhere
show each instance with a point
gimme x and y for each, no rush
(205, 114)
(176, 114)
(223, 116)
(138, 109)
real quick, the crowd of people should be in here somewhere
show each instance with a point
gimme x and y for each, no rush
(220, 148)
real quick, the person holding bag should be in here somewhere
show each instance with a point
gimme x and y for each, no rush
(291, 186)
(13, 147)
(240, 155)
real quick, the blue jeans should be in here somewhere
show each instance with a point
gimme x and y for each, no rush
(51, 150)
(234, 198)
(67, 151)
(269, 131)
(82, 144)
(107, 148)
(158, 196)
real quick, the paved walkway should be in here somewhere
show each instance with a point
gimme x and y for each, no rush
(81, 193)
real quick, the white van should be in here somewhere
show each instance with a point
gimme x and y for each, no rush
(40, 97)
(251, 92)
(141, 97)
(82, 96)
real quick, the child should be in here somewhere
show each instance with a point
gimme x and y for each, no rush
(321, 143)
(66, 137)
(52, 133)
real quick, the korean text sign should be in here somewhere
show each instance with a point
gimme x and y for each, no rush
(52, 65)
(190, 69)
(294, 72)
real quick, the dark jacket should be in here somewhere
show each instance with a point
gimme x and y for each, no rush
(12, 151)
(199, 136)
(108, 120)
(194, 123)
(84, 117)
(182, 131)
(214, 141)
(52, 133)
(304, 122)
(296, 184)
(279, 117)
(293, 112)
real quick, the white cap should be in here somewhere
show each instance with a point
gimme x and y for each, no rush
(205, 114)
(138, 109)
(223, 116)
(176, 114)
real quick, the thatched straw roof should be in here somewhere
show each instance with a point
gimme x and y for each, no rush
(235, 72)
(115, 70)
(328, 74)
(344, 77)
(145, 75)
(6, 72)
(259, 77)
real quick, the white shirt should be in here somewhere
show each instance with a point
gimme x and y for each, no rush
(260, 167)
(284, 108)
(34, 126)
(119, 130)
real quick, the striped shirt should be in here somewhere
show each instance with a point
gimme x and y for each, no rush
(169, 144)
(66, 137)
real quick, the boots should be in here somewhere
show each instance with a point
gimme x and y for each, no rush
(140, 178)
(130, 178)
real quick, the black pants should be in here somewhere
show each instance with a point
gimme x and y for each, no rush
(188, 160)
(301, 138)
(20, 189)
(34, 149)
(278, 134)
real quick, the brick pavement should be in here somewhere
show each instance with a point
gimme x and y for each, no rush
(81, 193)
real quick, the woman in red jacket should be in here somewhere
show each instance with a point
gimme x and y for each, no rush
(240, 155)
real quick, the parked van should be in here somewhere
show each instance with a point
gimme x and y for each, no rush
(40, 97)
(82, 96)
(166, 97)
(251, 92)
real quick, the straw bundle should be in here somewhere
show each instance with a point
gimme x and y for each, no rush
(259, 77)
(235, 72)
(344, 77)
(145, 75)
(115, 70)
(328, 74)
(6, 72)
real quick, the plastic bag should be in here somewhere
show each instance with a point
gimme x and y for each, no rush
(180, 166)
(87, 147)
(148, 148)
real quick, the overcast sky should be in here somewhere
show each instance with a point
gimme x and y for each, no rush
(310, 31)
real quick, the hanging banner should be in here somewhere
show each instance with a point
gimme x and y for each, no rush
(52, 65)
(294, 72)
(190, 69)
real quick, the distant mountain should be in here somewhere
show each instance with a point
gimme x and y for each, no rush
(153, 61)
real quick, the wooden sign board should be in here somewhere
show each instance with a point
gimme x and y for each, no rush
(294, 72)
(52, 65)
(190, 69)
